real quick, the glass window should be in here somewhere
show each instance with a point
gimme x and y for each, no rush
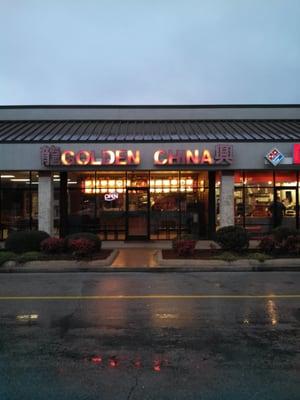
(258, 178)
(138, 179)
(258, 218)
(164, 182)
(19, 201)
(286, 178)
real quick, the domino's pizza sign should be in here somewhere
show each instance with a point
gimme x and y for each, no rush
(274, 157)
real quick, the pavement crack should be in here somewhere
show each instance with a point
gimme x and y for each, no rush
(132, 389)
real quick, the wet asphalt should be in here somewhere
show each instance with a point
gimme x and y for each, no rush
(243, 346)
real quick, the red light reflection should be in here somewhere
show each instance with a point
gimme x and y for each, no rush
(97, 359)
(113, 362)
(138, 364)
(157, 366)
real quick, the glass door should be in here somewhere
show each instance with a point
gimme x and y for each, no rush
(137, 207)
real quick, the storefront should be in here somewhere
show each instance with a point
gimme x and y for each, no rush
(148, 173)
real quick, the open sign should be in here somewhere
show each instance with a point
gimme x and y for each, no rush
(111, 196)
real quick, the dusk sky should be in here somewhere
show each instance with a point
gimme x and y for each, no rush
(149, 51)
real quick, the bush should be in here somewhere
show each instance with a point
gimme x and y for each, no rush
(281, 233)
(268, 245)
(30, 256)
(281, 243)
(226, 256)
(185, 247)
(53, 245)
(24, 241)
(85, 235)
(7, 256)
(81, 247)
(232, 238)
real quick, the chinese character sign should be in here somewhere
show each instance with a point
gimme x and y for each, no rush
(224, 154)
(50, 156)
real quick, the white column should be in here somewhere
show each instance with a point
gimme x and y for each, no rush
(45, 202)
(227, 199)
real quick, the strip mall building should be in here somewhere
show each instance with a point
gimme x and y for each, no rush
(148, 172)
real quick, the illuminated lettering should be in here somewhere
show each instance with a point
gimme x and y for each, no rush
(67, 157)
(108, 157)
(206, 157)
(133, 158)
(160, 157)
(94, 161)
(192, 157)
(176, 158)
(83, 157)
(121, 157)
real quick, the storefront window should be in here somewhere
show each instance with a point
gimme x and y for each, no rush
(286, 178)
(164, 204)
(260, 206)
(18, 201)
(138, 179)
(258, 178)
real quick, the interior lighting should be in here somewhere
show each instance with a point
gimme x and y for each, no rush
(111, 183)
(174, 182)
(72, 183)
(56, 176)
(7, 176)
(27, 317)
(20, 180)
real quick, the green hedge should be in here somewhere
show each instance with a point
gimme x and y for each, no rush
(24, 241)
(232, 238)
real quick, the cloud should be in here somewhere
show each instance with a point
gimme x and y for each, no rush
(149, 52)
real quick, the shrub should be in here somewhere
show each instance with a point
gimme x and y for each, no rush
(226, 256)
(283, 232)
(185, 247)
(7, 256)
(282, 241)
(291, 245)
(85, 235)
(53, 245)
(81, 247)
(232, 238)
(30, 256)
(268, 245)
(23, 241)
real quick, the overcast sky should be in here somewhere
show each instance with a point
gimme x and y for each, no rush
(149, 51)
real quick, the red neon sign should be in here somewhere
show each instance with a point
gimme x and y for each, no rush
(296, 154)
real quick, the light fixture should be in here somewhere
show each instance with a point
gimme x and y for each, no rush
(20, 180)
(7, 176)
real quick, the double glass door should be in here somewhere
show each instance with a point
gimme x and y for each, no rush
(137, 207)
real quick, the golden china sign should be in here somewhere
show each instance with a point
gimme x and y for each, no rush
(53, 156)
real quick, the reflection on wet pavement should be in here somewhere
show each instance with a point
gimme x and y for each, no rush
(149, 348)
(135, 258)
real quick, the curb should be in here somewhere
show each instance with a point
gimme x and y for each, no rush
(60, 265)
